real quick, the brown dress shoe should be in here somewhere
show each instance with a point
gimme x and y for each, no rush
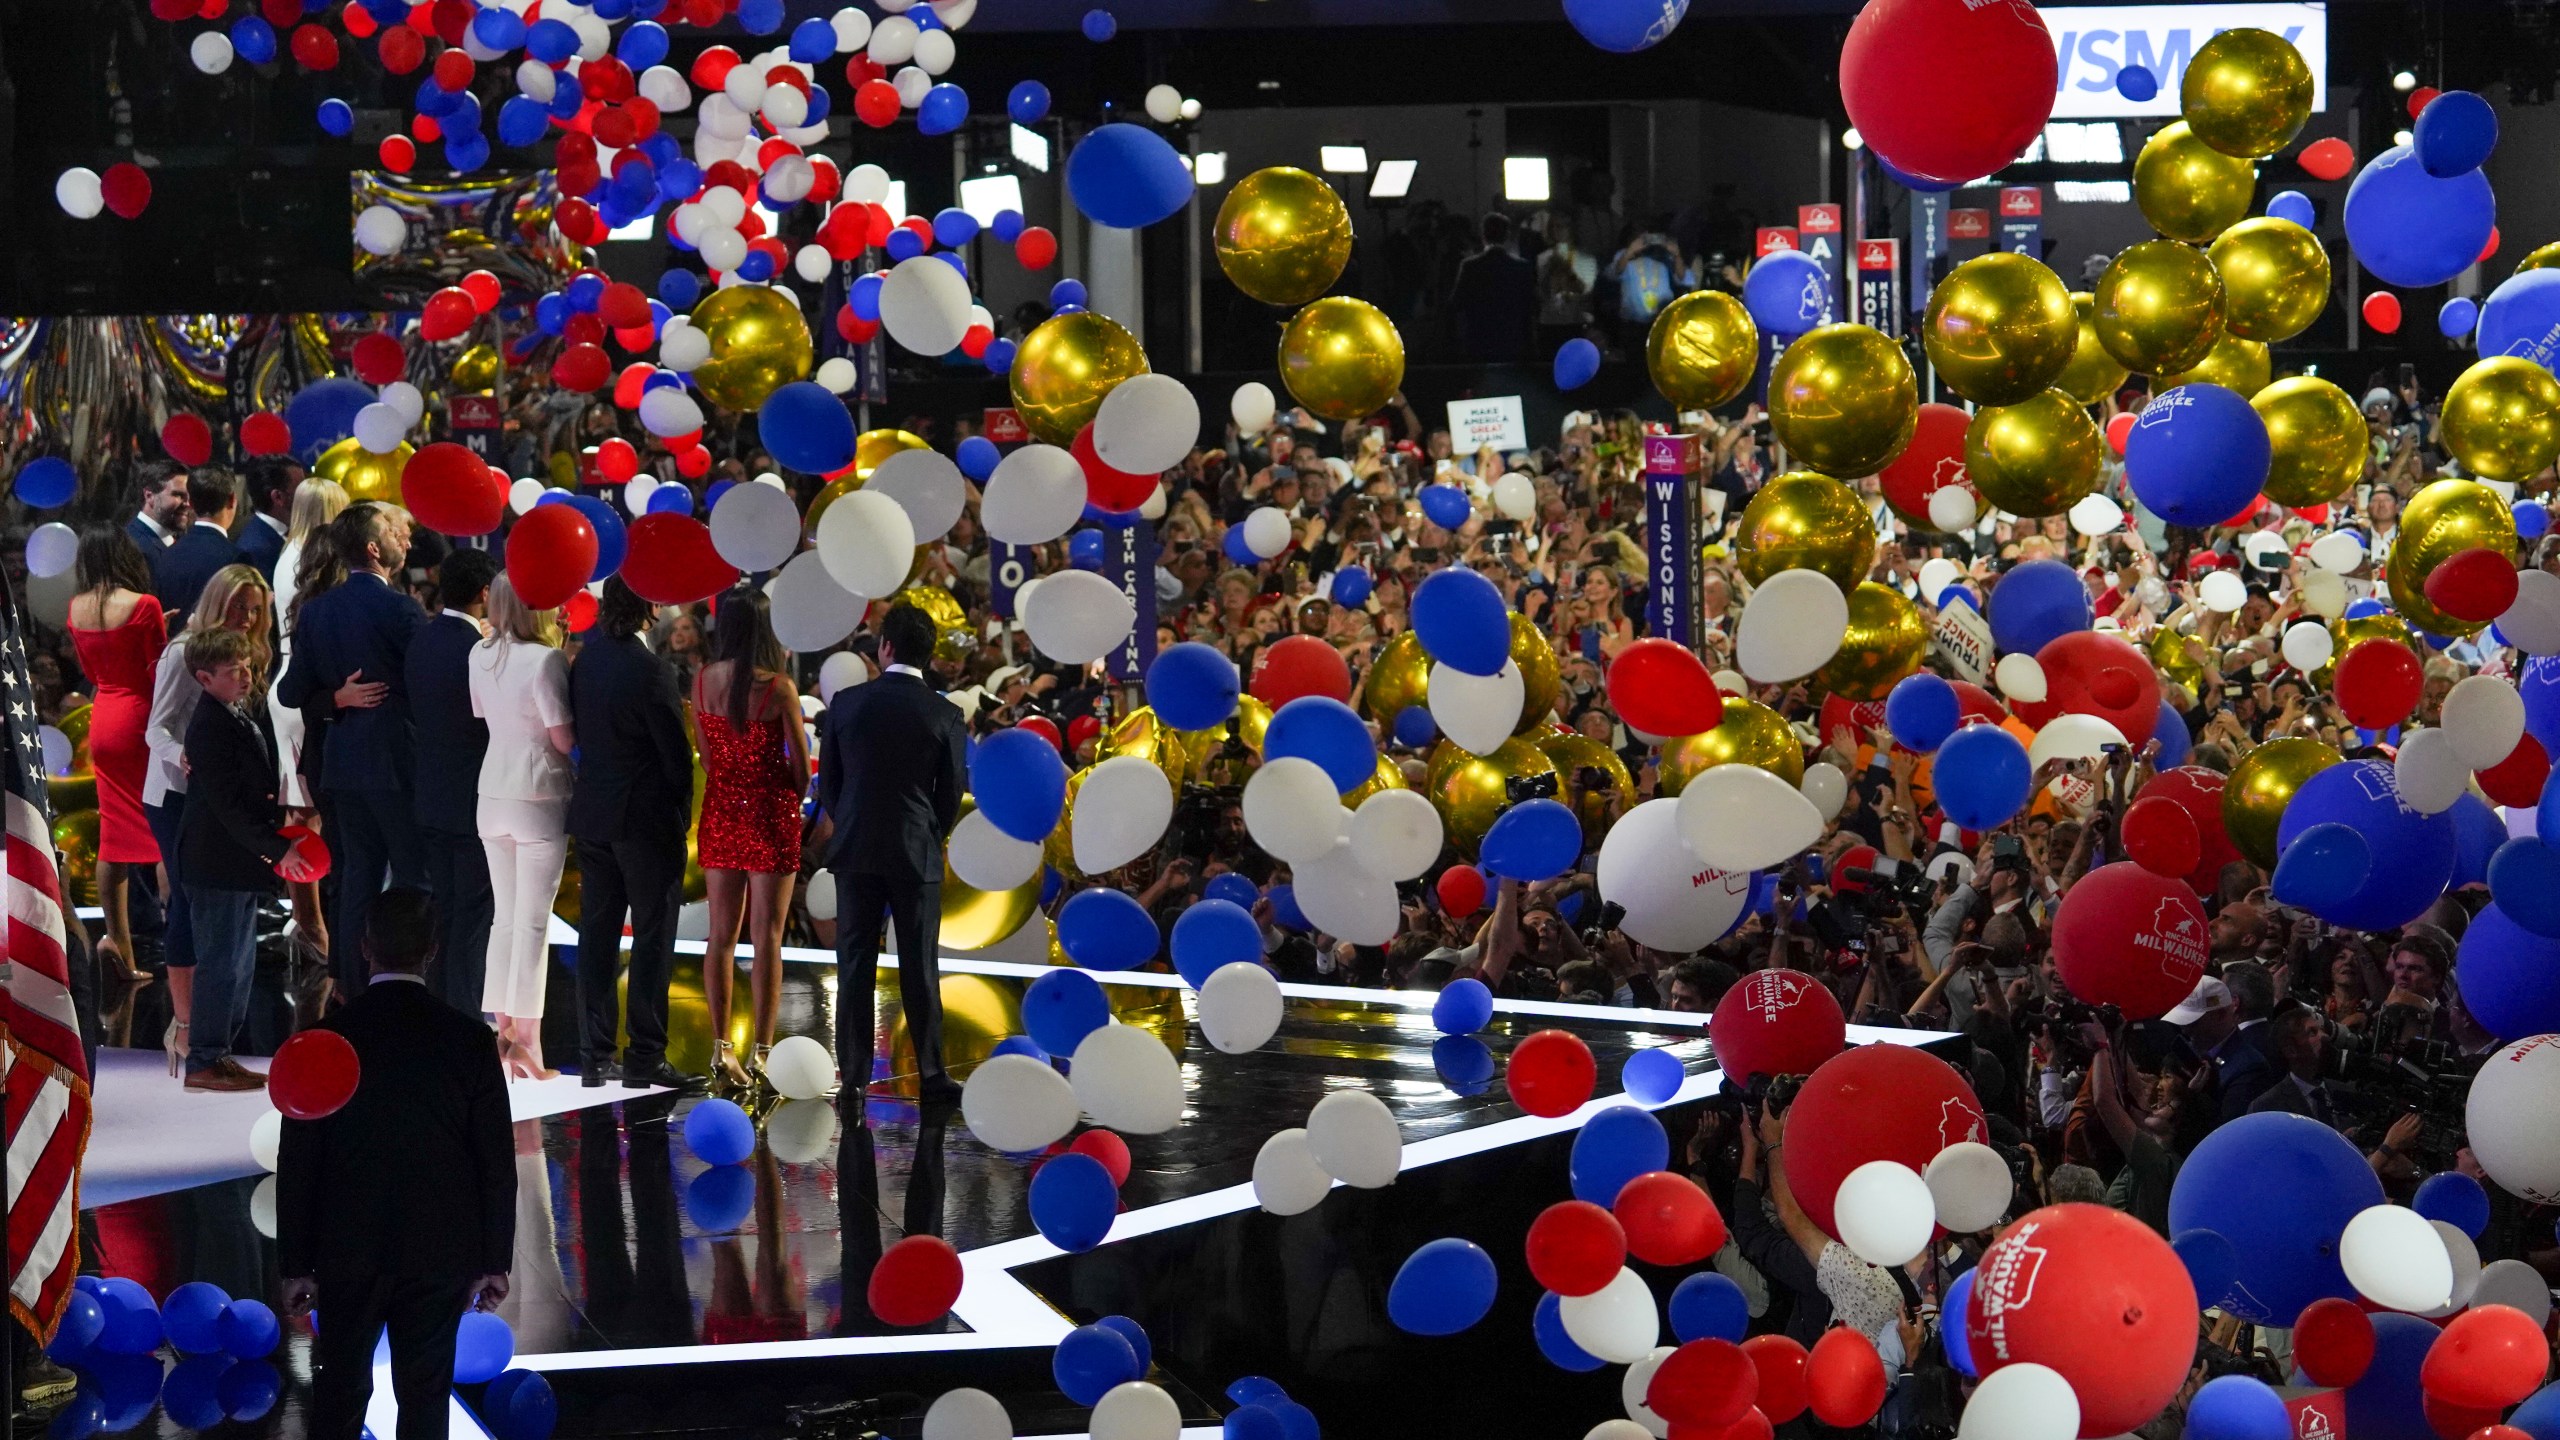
(225, 1076)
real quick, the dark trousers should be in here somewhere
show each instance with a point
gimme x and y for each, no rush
(914, 909)
(227, 960)
(643, 879)
(422, 1315)
(458, 873)
(373, 847)
(177, 935)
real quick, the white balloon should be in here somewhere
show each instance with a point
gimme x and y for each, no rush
(266, 1134)
(843, 671)
(924, 305)
(853, 31)
(1791, 628)
(2466, 1267)
(1971, 1186)
(1135, 1409)
(2096, 515)
(2394, 1258)
(960, 1414)
(1477, 712)
(1286, 1178)
(1885, 1213)
(2516, 1285)
(838, 375)
(801, 1132)
(2323, 593)
(785, 108)
(53, 549)
(867, 543)
(1290, 809)
(810, 611)
(1266, 531)
(1164, 104)
(1352, 1137)
(1742, 818)
(2429, 772)
(800, 1068)
(2308, 646)
(1952, 508)
(2338, 552)
(2532, 624)
(262, 1206)
(80, 193)
(210, 52)
(1081, 617)
(1016, 1104)
(2073, 737)
(1240, 1005)
(1127, 1081)
(893, 41)
(403, 397)
(1152, 508)
(1254, 407)
(1617, 1323)
(2513, 1118)
(1516, 495)
(1936, 574)
(1396, 833)
(1346, 899)
(726, 204)
(745, 86)
(380, 230)
(1036, 494)
(1190, 106)
(663, 86)
(2265, 549)
(636, 493)
(378, 428)
(1625, 1429)
(1147, 423)
(755, 527)
(524, 494)
(1126, 815)
(1633, 1387)
(811, 263)
(2485, 717)
(537, 81)
(955, 13)
(866, 184)
(2021, 1402)
(2020, 676)
(986, 858)
(667, 411)
(1672, 901)
(2223, 592)
(912, 85)
(682, 348)
(1826, 787)
(935, 50)
(927, 485)
(724, 249)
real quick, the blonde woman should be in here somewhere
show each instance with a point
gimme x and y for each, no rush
(520, 686)
(315, 504)
(235, 599)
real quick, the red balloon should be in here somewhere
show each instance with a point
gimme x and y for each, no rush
(2517, 780)
(1947, 89)
(315, 47)
(2328, 159)
(550, 553)
(1776, 1022)
(2378, 683)
(1668, 1219)
(1844, 1381)
(1874, 1102)
(1781, 1363)
(2475, 585)
(915, 1282)
(2333, 1342)
(1754, 1425)
(1461, 889)
(2161, 837)
(693, 464)
(449, 312)
(2453, 1421)
(1705, 1382)
(2488, 1358)
(624, 306)
(2130, 938)
(1933, 461)
(480, 285)
(1045, 728)
(313, 1074)
(1551, 1073)
(1107, 488)
(2117, 430)
(401, 49)
(2198, 791)
(1107, 1147)
(1297, 666)
(2382, 312)
(876, 103)
(1576, 1248)
(265, 433)
(127, 188)
(188, 439)
(451, 491)
(2093, 672)
(1036, 248)
(2488, 247)
(583, 368)
(616, 460)
(1975, 703)
(2499, 1432)
(2420, 99)
(2095, 1295)
(628, 387)
(379, 359)
(579, 613)
(1661, 687)
(673, 562)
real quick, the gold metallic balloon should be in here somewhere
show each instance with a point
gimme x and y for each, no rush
(1282, 235)
(1540, 678)
(759, 343)
(2502, 419)
(2168, 651)
(1750, 734)
(2246, 93)
(978, 1012)
(1059, 849)
(2275, 278)
(1470, 791)
(2000, 328)
(976, 919)
(2093, 374)
(1843, 400)
(1064, 368)
(1702, 350)
(2318, 437)
(1342, 358)
(74, 726)
(1805, 521)
(1886, 640)
(1573, 753)
(67, 793)
(2159, 307)
(2240, 366)
(2262, 784)
(1399, 679)
(2542, 258)
(2036, 457)
(363, 474)
(476, 368)
(873, 446)
(953, 638)
(75, 838)
(568, 898)
(2187, 189)
(1141, 734)
(1388, 775)
(2441, 521)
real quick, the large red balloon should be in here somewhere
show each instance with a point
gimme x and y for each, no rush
(915, 1282)
(1300, 665)
(2518, 780)
(378, 359)
(2127, 937)
(1551, 1073)
(2488, 1358)
(1705, 1382)
(2333, 1341)
(1975, 703)
(313, 1074)
(188, 439)
(1106, 488)
(1576, 1248)
(448, 313)
(2475, 585)
(2098, 1297)
(1875, 1102)
(1781, 1363)
(2093, 672)
(1776, 1022)
(2198, 791)
(1461, 889)
(1844, 1380)
(1948, 89)
(1933, 461)
(672, 560)
(1662, 688)
(550, 553)
(2378, 683)
(1668, 1219)
(450, 491)
(2161, 837)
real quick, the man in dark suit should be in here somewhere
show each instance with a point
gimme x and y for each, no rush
(890, 774)
(164, 511)
(350, 665)
(399, 1209)
(180, 573)
(628, 815)
(2300, 1038)
(271, 484)
(451, 742)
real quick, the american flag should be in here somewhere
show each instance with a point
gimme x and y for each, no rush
(42, 1067)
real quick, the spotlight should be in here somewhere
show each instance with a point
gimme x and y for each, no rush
(1209, 167)
(1393, 180)
(988, 196)
(1850, 139)
(2404, 82)
(1344, 159)
(2400, 137)
(1524, 179)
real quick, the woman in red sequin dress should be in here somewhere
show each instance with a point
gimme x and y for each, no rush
(755, 762)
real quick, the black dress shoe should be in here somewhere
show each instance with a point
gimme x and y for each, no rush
(941, 1092)
(594, 1073)
(641, 1074)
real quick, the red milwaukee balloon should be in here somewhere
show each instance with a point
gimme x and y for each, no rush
(550, 553)
(2092, 672)
(673, 562)
(2378, 683)
(1705, 1383)
(1844, 1380)
(1781, 1363)
(2489, 1357)
(451, 491)
(2518, 779)
(1108, 1148)
(2328, 159)
(1576, 1248)
(2382, 311)
(313, 1074)
(1933, 461)
(1776, 1022)
(2127, 937)
(1461, 889)
(188, 439)
(2475, 585)
(915, 1282)
(2162, 838)
(2198, 791)
(1661, 687)
(1874, 1102)
(1948, 89)
(2098, 1297)
(449, 312)
(265, 433)
(127, 188)
(2333, 1342)
(1551, 1073)
(1300, 665)
(1668, 1219)
(1107, 488)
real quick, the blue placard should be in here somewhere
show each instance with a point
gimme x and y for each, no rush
(1008, 567)
(2022, 221)
(1671, 537)
(1928, 242)
(1129, 561)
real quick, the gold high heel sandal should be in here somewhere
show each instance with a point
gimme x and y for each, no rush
(725, 1072)
(174, 1040)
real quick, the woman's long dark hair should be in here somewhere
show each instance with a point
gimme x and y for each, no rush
(109, 560)
(742, 635)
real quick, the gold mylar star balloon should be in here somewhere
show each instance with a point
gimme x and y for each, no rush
(1804, 521)
(475, 368)
(1843, 400)
(1342, 358)
(2036, 457)
(2093, 374)
(2275, 278)
(1750, 734)
(1282, 235)
(2502, 419)
(2246, 94)
(1702, 350)
(2159, 307)
(2187, 189)
(759, 343)
(2238, 365)
(2000, 328)
(2318, 437)
(2262, 784)
(1064, 368)
(2441, 521)
(1886, 640)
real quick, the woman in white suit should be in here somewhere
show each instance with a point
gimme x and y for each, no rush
(520, 686)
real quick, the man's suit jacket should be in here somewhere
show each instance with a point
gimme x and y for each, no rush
(890, 774)
(2245, 1068)
(185, 566)
(416, 1175)
(635, 762)
(2286, 1098)
(451, 740)
(361, 625)
(149, 539)
(262, 545)
(228, 839)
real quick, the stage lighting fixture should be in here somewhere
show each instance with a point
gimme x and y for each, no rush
(1393, 180)
(1524, 179)
(1344, 159)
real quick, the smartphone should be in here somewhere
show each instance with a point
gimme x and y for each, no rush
(2408, 373)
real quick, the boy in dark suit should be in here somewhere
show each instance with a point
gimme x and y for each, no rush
(451, 743)
(179, 574)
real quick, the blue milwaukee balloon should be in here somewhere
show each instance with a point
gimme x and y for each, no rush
(2454, 134)
(2413, 229)
(1787, 293)
(2281, 1188)
(1128, 177)
(1625, 26)
(2413, 853)
(2196, 455)
(2522, 318)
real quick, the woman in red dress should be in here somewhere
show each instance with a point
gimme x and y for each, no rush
(755, 762)
(119, 632)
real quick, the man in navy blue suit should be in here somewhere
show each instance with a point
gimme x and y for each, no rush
(451, 742)
(350, 664)
(180, 573)
(164, 511)
(271, 484)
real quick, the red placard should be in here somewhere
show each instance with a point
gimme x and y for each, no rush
(1003, 425)
(1818, 219)
(1773, 240)
(1968, 224)
(2021, 200)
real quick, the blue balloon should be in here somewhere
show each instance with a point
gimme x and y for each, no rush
(612, 540)
(482, 1348)
(2171, 732)
(1069, 291)
(1127, 176)
(2413, 229)
(2387, 1403)
(954, 227)
(2238, 1407)
(1236, 550)
(812, 40)
(1028, 104)
(945, 109)
(323, 413)
(1624, 27)
(2043, 599)
(2364, 796)
(188, 1397)
(1192, 686)
(1285, 909)
(1061, 1008)
(2524, 877)
(1415, 728)
(2136, 83)
(1252, 1422)
(720, 1199)
(1709, 1306)
(1532, 841)
(337, 117)
(2510, 974)
(2456, 316)
(2539, 684)
(806, 428)
(2478, 832)
(191, 1317)
(2522, 318)
(1446, 506)
(1442, 1288)
(82, 1320)
(1351, 587)
(254, 40)
(1463, 1007)
(1982, 774)
(550, 41)
(2210, 1260)
(671, 497)
(47, 481)
(2281, 1188)
(1577, 363)
(1008, 226)
(1105, 929)
(1255, 1390)
(133, 1321)
(2293, 205)
(903, 244)
(863, 297)
(1464, 1064)
(2322, 869)
(1326, 731)
(1136, 1335)
(1099, 25)
(2196, 455)
(1073, 1202)
(1235, 889)
(1091, 1360)
(2532, 519)
(1614, 1147)
(1212, 934)
(1653, 1076)
(1918, 184)
(248, 1330)
(758, 267)
(1462, 622)
(2454, 1198)
(999, 357)
(719, 1133)
(250, 1389)
(2358, 609)
(521, 121)
(978, 457)
(1787, 293)
(2454, 134)
(520, 1405)
(1020, 782)
(1922, 710)
(2539, 1415)
(1546, 1323)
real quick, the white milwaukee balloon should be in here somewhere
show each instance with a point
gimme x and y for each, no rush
(1036, 494)
(2512, 1118)
(1670, 903)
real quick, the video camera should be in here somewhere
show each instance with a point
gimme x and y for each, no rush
(2380, 1077)
(1744, 1102)
(1517, 788)
(1891, 885)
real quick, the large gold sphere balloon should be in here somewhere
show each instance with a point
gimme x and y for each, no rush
(363, 474)
(67, 793)
(1702, 350)
(1573, 753)
(2246, 94)
(1541, 678)
(976, 919)
(2275, 278)
(1141, 734)
(476, 368)
(1342, 358)
(2502, 419)
(1399, 679)
(2036, 457)
(2187, 189)
(2159, 307)
(1886, 640)
(1843, 400)
(2441, 521)
(1282, 235)
(2000, 328)
(1750, 734)
(2542, 258)
(2318, 437)
(1064, 368)
(1804, 521)
(2237, 365)
(74, 726)
(759, 343)
(2093, 374)
(873, 446)
(2262, 784)
(1470, 791)
(2168, 651)
(75, 838)
(1387, 775)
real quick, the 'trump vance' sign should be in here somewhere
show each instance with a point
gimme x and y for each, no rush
(2093, 42)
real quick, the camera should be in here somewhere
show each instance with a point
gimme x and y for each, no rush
(1890, 885)
(1745, 1101)
(1200, 819)
(1611, 916)
(1517, 788)
(2380, 1077)
(848, 1419)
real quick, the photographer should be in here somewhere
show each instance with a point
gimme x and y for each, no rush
(1818, 1276)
